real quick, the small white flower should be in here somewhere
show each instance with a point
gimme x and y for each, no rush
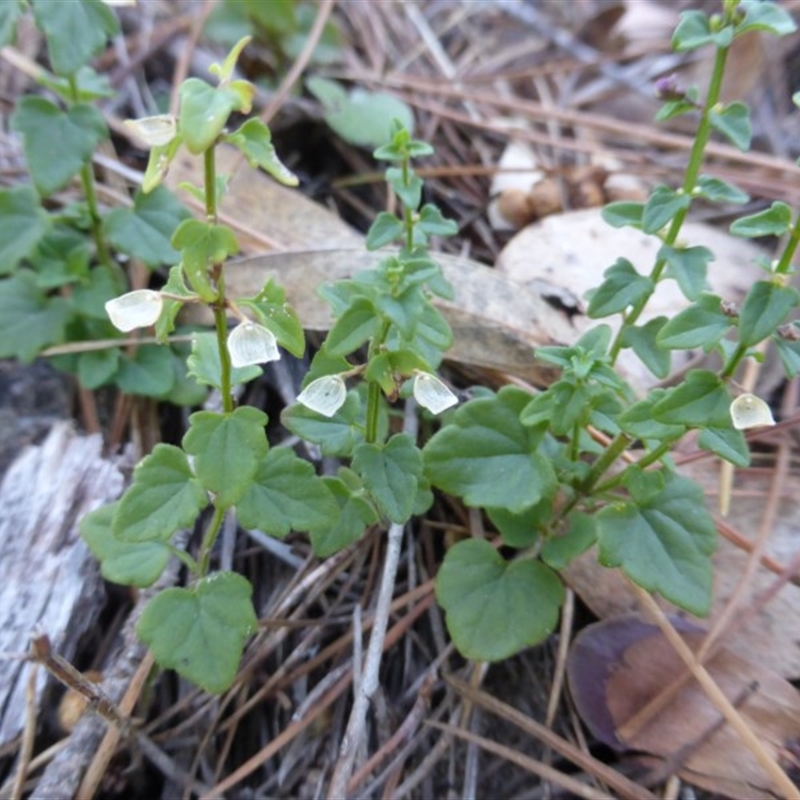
(325, 395)
(432, 394)
(135, 309)
(250, 343)
(749, 411)
(154, 131)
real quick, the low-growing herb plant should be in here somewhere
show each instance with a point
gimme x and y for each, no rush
(60, 261)
(546, 468)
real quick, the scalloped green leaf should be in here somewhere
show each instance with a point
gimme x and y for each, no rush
(285, 495)
(354, 514)
(703, 324)
(773, 221)
(145, 230)
(727, 443)
(764, 309)
(202, 245)
(76, 31)
(733, 122)
(391, 474)
(664, 545)
(254, 139)
(137, 564)
(702, 400)
(200, 631)
(495, 608)
(30, 320)
(622, 287)
(488, 457)
(24, 224)
(204, 111)
(164, 497)
(689, 267)
(227, 450)
(276, 315)
(57, 142)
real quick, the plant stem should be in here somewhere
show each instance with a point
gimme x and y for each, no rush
(611, 454)
(219, 306)
(373, 412)
(690, 179)
(90, 194)
(209, 538)
(785, 263)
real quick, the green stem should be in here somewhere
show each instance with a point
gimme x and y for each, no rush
(373, 412)
(90, 193)
(733, 363)
(690, 179)
(219, 305)
(785, 263)
(644, 461)
(611, 454)
(210, 536)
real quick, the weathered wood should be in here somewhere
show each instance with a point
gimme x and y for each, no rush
(49, 581)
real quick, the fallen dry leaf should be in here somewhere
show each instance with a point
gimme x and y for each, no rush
(617, 666)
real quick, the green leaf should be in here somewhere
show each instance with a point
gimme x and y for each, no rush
(764, 308)
(664, 545)
(623, 214)
(353, 328)
(25, 222)
(128, 563)
(164, 497)
(727, 443)
(384, 230)
(85, 86)
(205, 366)
(623, 286)
(733, 122)
(277, 316)
(694, 31)
(148, 373)
(765, 16)
(166, 322)
(789, 352)
(97, 368)
(227, 450)
(29, 319)
(521, 529)
(254, 139)
(284, 495)
(144, 231)
(718, 191)
(61, 257)
(701, 325)
(495, 608)
(701, 401)
(360, 117)
(76, 31)
(487, 456)
(204, 112)
(637, 420)
(662, 205)
(10, 12)
(200, 632)
(433, 223)
(643, 341)
(57, 143)
(202, 245)
(410, 192)
(773, 221)
(688, 266)
(355, 513)
(580, 535)
(391, 473)
(337, 435)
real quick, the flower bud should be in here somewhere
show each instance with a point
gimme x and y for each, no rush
(135, 309)
(154, 131)
(432, 394)
(250, 343)
(325, 395)
(749, 411)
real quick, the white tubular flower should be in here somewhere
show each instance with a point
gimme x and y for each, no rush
(325, 395)
(432, 394)
(749, 411)
(154, 131)
(250, 343)
(137, 309)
